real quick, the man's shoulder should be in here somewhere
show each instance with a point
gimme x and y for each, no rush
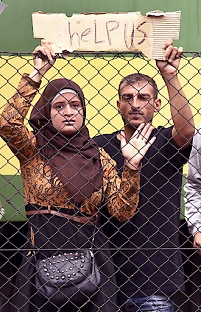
(164, 133)
(160, 129)
(104, 139)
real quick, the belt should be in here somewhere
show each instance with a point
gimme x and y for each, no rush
(81, 219)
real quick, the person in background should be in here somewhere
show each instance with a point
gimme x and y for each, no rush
(192, 190)
(65, 175)
(192, 200)
(2, 211)
(146, 248)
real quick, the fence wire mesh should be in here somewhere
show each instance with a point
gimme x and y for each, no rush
(98, 75)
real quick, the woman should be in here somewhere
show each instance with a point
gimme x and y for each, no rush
(65, 177)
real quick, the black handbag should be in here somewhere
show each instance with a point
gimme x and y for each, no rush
(69, 277)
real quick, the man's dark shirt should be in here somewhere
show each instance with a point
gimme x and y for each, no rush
(146, 248)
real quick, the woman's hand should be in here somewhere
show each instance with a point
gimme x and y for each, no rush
(135, 149)
(43, 59)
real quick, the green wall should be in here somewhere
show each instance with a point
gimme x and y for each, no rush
(16, 26)
(13, 203)
(11, 198)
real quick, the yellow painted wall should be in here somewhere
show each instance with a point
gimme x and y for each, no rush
(99, 78)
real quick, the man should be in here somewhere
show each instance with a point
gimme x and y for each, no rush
(192, 200)
(193, 191)
(2, 211)
(146, 249)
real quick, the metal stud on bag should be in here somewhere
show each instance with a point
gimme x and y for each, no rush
(66, 268)
(75, 275)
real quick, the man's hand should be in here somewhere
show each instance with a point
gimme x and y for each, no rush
(197, 242)
(171, 60)
(135, 149)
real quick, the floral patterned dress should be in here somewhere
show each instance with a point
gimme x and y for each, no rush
(50, 234)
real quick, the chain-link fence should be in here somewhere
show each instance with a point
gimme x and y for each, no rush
(98, 75)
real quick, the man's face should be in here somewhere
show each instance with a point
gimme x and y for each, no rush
(137, 103)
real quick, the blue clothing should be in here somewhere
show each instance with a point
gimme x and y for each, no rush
(156, 303)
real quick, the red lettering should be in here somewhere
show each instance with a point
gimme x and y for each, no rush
(145, 35)
(72, 35)
(131, 36)
(85, 33)
(95, 30)
(116, 25)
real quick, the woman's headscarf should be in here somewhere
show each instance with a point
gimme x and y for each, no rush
(74, 159)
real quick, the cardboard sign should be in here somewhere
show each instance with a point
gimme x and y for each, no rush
(117, 32)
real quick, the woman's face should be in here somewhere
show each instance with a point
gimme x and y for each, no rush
(67, 113)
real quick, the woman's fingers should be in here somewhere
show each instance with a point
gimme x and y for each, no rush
(46, 49)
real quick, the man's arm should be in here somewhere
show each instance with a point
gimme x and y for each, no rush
(181, 113)
(193, 190)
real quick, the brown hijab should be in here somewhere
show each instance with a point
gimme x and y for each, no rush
(74, 159)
